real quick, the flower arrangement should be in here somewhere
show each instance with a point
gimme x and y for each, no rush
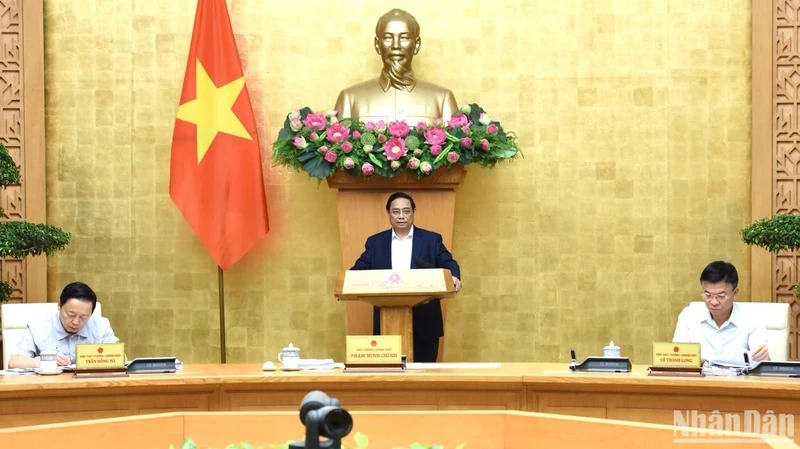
(321, 144)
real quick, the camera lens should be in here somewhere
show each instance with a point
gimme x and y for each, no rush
(336, 422)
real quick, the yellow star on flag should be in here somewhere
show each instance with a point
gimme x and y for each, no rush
(211, 110)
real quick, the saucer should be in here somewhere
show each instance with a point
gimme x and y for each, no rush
(49, 373)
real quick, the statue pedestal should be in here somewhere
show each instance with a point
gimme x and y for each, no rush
(362, 212)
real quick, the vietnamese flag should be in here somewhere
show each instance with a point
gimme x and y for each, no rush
(215, 167)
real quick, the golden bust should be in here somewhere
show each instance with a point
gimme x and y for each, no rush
(396, 94)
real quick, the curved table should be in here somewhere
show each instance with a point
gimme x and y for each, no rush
(539, 387)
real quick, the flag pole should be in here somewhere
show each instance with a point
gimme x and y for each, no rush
(222, 350)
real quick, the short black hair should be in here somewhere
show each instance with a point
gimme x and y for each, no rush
(79, 291)
(397, 195)
(720, 271)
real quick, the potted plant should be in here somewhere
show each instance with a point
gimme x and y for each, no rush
(775, 234)
(20, 239)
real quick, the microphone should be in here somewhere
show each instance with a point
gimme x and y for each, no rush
(422, 264)
(574, 364)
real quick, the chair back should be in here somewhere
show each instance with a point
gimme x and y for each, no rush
(773, 315)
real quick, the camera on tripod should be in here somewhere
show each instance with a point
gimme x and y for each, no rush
(323, 417)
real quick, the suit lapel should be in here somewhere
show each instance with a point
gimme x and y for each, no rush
(416, 246)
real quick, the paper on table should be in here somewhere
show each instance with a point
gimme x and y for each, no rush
(17, 371)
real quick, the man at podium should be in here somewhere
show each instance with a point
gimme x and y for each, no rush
(400, 248)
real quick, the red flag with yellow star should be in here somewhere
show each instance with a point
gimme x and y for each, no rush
(215, 166)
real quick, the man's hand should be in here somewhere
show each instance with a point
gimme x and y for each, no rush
(61, 359)
(457, 283)
(760, 354)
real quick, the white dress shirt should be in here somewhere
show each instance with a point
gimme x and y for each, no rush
(727, 342)
(401, 250)
(48, 334)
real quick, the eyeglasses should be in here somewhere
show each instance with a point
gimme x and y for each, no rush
(719, 297)
(404, 212)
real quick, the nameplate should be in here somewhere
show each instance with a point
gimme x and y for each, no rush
(604, 364)
(676, 355)
(99, 356)
(148, 365)
(374, 350)
(788, 369)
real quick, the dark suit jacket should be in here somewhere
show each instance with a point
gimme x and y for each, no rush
(427, 246)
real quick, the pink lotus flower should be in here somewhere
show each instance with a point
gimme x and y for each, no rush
(417, 152)
(323, 150)
(485, 145)
(380, 126)
(370, 126)
(332, 113)
(293, 114)
(368, 148)
(466, 142)
(394, 149)
(466, 108)
(367, 169)
(413, 163)
(466, 130)
(399, 129)
(422, 126)
(485, 119)
(315, 121)
(381, 138)
(395, 165)
(436, 149)
(438, 122)
(356, 134)
(435, 136)
(314, 136)
(452, 157)
(348, 163)
(299, 142)
(347, 147)
(458, 121)
(338, 133)
(491, 129)
(331, 156)
(295, 124)
(426, 168)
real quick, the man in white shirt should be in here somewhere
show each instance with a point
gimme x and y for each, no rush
(73, 324)
(723, 331)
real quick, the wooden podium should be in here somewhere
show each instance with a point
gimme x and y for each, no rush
(361, 205)
(395, 292)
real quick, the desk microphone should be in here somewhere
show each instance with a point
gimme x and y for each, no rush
(422, 264)
(574, 362)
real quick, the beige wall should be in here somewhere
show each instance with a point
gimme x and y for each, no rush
(634, 118)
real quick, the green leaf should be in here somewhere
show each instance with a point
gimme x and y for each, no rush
(318, 167)
(461, 446)
(9, 171)
(188, 444)
(375, 160)
(443, 154)
(361, 440)
(285, 133)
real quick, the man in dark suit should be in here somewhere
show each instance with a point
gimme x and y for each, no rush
(400, 248)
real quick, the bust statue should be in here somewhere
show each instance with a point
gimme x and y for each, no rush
(396, 94)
